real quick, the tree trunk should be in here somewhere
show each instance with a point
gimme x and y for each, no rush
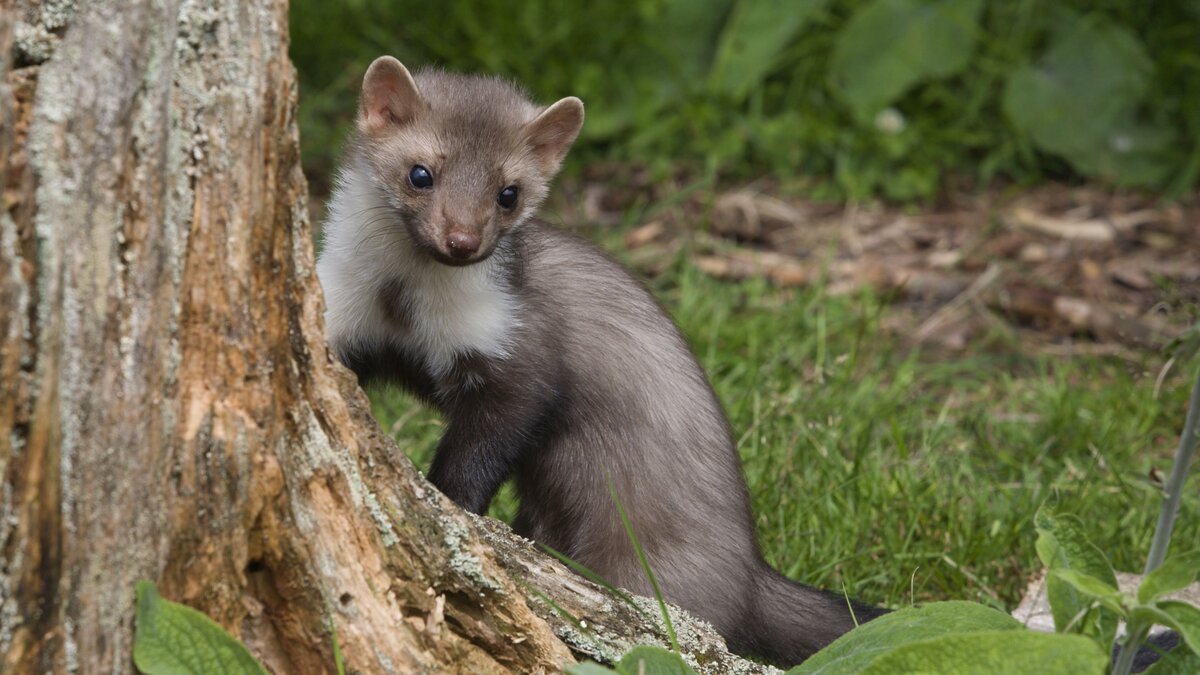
(168, 408)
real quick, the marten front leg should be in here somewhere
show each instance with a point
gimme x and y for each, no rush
(495, 419)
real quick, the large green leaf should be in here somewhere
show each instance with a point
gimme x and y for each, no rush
(687, 30)
(1179, 616)
(753, 37)
(1063, 546)
(1080, 101)
(173, 639)
(1175, 573)
(997, 653)
(857, 649)
(890, 45)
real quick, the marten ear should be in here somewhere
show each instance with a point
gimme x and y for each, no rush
(389, 97)
(551, 133)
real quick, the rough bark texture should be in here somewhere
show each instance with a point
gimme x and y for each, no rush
(168, 409)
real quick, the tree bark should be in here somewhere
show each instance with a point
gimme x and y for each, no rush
(168, 408)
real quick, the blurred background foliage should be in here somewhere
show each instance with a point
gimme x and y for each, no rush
(838, 99)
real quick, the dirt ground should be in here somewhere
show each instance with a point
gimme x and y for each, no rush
(1058, 268)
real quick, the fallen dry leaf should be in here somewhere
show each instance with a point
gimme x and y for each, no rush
(644, 235)
(1077, 230)
(750, 216)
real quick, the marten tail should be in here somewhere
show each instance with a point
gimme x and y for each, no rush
(789, 622)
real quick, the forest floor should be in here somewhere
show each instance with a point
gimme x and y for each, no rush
(1058, 267)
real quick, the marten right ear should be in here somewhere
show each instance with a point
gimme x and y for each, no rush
(551, 133)
(389, 97)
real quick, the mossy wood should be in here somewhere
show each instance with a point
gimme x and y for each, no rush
(168, 409)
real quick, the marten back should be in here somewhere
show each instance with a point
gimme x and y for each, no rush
(637, 408)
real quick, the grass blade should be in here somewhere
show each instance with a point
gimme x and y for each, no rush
(558, 609)
(637, 547)
(338, 662)
(591, 576)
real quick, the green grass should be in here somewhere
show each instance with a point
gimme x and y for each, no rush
(899, 476)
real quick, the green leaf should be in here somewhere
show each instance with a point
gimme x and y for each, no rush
(173, 639)
(1175, 573)
(1092, 587)
(890, 45)
(1080, 100)
(1063, 547)
(1178, 661)
(857, 649)
(755, 35)
(1178, 616)
(997, 653)
(686, 31)
(647, 660)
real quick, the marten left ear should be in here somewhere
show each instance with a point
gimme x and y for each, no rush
(389, 97)
(551, 133)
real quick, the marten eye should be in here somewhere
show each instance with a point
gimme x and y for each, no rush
(507, 197)
(420, 177)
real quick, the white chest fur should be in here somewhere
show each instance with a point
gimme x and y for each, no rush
(450, 310)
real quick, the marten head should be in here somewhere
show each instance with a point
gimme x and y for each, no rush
(462, 159)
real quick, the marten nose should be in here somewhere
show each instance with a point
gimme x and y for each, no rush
(462, 244)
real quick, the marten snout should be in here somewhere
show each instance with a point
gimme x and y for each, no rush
(462, 245)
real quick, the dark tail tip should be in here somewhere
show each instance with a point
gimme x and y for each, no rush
(789, 622)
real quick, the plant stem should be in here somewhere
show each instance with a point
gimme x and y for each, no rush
(1173, 494)
(1136, 634)
(1174, 487)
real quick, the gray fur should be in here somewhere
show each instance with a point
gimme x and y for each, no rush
(571, 372)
